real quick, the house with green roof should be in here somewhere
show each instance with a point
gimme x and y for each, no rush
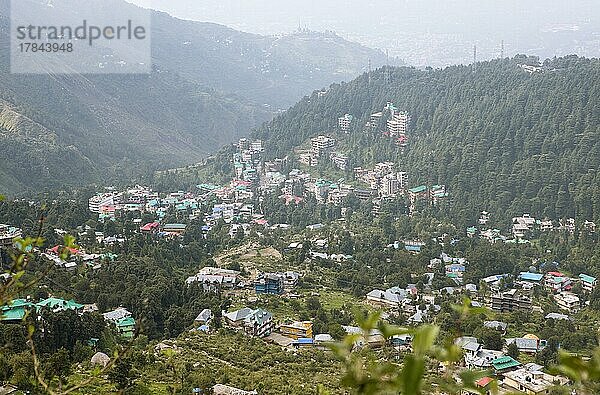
(57, 304)
(126, 327)
(588, 283)
(418, 193)
(471, 232)
(15, 311)
(505, 364)
(419, 189)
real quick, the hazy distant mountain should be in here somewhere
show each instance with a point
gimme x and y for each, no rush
(209, 86)
(422, 32)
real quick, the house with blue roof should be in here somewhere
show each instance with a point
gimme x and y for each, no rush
(455, 271)
(535, 278)
(303, 342)
(412, 248)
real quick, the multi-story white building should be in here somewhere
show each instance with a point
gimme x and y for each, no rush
(588, 283)
(398, 124)
(403, 179)
(384, 168)
(96, 202)
(568, 301)
(322, 145)
(390, 185)
(8, 234)
(257, 146)
(374, 121)
(393, 183)
(345, 122)
(340, 161)
(546, 225)
(484, 218)
(523, 225)
(244, 144)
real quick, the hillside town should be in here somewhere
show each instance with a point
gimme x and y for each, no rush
(508, 354)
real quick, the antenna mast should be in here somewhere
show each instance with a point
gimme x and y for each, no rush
(387, 67)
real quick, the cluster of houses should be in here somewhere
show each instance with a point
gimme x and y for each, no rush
(559, 285)
(319, 249)
(383, 178)
(261, 323)
(142, 199)
(16, 310)
(455, 267)
(213, 279)
(71, 258)
(510, 374)
(292, 335)
(252, 176)
(322, 150)
(392, 123)
(246, 160)
(523, 226)
(417, 309)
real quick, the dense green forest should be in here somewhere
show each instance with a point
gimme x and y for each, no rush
(501, 139)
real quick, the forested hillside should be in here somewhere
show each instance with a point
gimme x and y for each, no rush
(209, 86)
(502, 139)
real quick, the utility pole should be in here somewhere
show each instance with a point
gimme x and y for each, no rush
(474, 58)
(502, 50)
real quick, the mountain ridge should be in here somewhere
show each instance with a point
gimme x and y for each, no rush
(197, 98)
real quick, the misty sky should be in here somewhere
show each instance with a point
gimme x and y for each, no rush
(423, 32)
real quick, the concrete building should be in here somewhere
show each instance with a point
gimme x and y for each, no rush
(257, 146)
(374, 121)
(393, 297)
(398, 124)
(418, 193)
(345, 122)
(530, 382)
(509, 301)
(340, 161)
(588, 283)
(321, 146)
(568, 301)
(269, 283)
(297, 330)
(97, 202)
(8, 234)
